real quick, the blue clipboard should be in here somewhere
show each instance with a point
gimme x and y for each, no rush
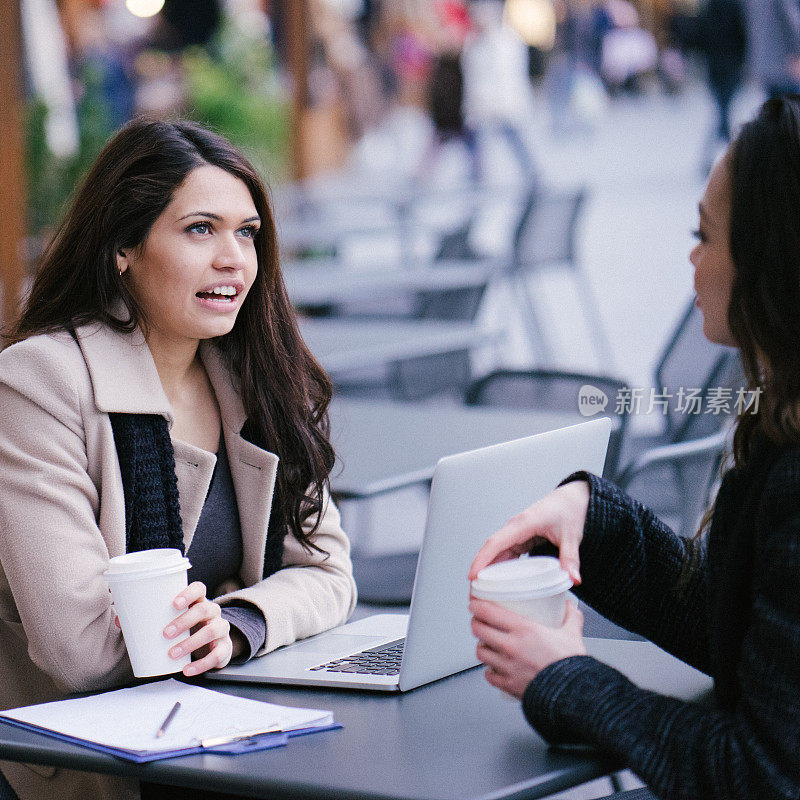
(246, 744)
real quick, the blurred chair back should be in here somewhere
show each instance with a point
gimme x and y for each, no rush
(546, 238)
(443, 374)
(449, 304)
(689, 362)
(385, 580)
(455, 245)
(545, 233)
(552, 390)
(691, 467)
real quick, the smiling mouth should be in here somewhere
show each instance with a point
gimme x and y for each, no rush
(224, 295)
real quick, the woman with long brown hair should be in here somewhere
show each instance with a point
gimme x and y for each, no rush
(156, 393)
(727, 602)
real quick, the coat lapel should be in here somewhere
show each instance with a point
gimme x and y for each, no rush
(123, 373)
(125, 380)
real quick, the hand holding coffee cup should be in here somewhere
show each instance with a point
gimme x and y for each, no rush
(523, 620)
(557, 518)
(149, 590)
(210, 638)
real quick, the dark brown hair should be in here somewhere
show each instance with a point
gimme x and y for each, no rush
(764, 178)
(284, 390)
(764, 309)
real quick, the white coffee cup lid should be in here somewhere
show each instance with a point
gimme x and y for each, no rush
(535, 576)
(158, 561)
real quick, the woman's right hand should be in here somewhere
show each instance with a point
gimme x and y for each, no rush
(557, 518)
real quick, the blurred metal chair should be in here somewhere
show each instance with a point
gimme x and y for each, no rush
(446, 374)
(551, 389)
(633, 794)
(423, 377)
(690, 372)
(689, 362)
(455, 245)
(689, 467)
(545, 238)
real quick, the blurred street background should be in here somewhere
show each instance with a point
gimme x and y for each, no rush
(609, 96)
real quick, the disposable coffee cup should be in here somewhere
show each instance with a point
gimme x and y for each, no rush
(534, 586)
(143, 586)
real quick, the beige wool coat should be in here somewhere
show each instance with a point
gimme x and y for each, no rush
(62, 517)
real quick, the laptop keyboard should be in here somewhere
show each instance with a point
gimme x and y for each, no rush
(382, 660)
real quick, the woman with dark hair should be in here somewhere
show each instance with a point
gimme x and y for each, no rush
(728, 602)
(157, 393)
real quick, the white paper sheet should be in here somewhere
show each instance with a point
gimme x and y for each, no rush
(129, 718)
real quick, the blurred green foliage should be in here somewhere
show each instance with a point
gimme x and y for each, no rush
(236, 92)
(233, 88)
(52, 179)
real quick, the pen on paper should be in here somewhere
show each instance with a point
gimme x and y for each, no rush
(160, 732)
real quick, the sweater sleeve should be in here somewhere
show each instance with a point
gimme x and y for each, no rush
(312, 592)
(683, 750)
(250, 622)
(634, 571)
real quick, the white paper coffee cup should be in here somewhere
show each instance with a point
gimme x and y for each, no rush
(534, 586)
(143, 586)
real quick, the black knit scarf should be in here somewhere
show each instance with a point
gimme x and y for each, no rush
(150, 485)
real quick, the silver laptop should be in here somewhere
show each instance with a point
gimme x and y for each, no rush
(473, 494)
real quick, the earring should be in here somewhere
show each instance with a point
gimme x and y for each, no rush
(120, 270)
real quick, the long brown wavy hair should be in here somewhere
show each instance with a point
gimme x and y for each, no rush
(284, 390)
(764, 309)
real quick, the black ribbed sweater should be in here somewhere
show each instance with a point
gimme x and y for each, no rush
(737, 619)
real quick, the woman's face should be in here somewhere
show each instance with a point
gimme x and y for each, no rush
(197, 264)
(711, 257)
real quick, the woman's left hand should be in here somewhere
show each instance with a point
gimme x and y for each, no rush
(516, 649)
(210, 641)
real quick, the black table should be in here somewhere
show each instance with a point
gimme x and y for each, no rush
(456, 739)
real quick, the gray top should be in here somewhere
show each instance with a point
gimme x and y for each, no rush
(216, 552)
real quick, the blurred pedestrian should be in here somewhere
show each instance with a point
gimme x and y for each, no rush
(773, 31)
(722, 38)
(405, 38)
(629, 52)
(497, 90)
(446, 89)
